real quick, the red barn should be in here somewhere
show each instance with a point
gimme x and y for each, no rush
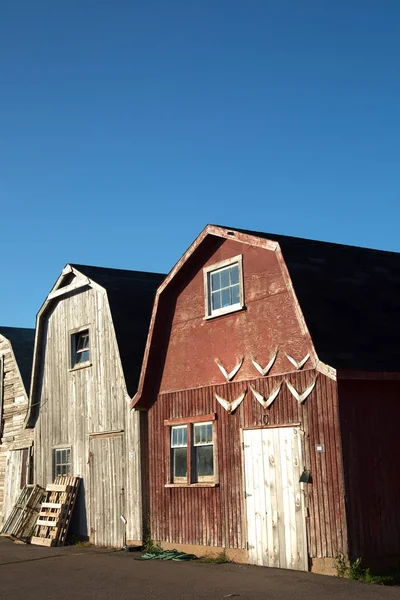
(271, 381)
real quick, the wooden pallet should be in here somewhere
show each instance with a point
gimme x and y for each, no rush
(56, 511)
(22, 519)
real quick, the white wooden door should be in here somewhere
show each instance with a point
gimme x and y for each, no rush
(276, 526)
(106, 490)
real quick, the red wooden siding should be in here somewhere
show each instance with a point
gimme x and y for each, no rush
(215, 516)
(269, 321)
(370, 416)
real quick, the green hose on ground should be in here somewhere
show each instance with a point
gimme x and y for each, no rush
(168, 555)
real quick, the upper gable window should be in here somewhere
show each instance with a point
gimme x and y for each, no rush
(223, 284)
(80, 348)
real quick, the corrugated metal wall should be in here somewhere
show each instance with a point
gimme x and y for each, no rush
(370, 416)
(215, 516)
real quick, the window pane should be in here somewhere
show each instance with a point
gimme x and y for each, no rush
(204, 461)
(199, 435)
(178, 436)
(226, 297)
(203, 433)
(234, 274)
(225, 278)
(184, 435)
(179, 462)
(216, 300)
(82, 357)
(215, 281)
(174, 436)
(196, 434)
(235, 294)
(83, 341)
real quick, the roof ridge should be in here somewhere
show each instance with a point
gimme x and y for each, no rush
(301, 239)
(115, 269)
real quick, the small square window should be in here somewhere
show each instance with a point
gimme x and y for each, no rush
(80, 348)
(224, 287)
(61, 461)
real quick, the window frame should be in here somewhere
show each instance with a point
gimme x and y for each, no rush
(54, 453)
(191, 479)
(73, 334)
(175, 479)
(207, 272)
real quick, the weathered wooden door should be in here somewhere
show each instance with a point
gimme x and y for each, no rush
(276, 526)
(107, 490)
(15, 478)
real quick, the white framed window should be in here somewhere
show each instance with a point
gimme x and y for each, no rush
(179, 461)
(80, 348)
(203, 451)
(61, 461)
(192, 451)
(223, 285)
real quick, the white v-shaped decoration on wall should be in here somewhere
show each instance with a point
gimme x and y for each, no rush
(230, 407)
(231, 374)
(296, 364)
(265, 370)
(266, 402)
(301, 397)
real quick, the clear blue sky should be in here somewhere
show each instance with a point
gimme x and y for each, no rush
(127, 125)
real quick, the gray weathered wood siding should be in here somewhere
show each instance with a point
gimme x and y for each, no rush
(13, 435)
(76, 403)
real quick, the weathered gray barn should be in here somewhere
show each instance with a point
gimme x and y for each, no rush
(90, 338)
(16, 351)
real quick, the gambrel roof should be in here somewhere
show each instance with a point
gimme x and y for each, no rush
(130, 295)
(348, 297)
(22, 340)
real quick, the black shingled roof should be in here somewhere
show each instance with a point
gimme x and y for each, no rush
(350, 298)
(22, 341)
(131, 296)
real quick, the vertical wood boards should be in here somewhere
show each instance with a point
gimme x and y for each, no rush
(12, 487)
(106, 459)
(78, 403)
(275, 511)
(13, 436)
(216, 516)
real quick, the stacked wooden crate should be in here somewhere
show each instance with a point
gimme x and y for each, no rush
(56, 511)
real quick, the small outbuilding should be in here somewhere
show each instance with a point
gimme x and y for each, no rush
(90, 338)
(271, 379)
(16, 442)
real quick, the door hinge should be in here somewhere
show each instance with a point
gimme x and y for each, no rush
(246, 494)
(245, 445)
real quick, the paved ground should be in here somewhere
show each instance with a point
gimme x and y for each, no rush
(73, 572)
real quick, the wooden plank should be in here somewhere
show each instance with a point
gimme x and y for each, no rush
(39, 541)
(269, 490)
(54, 487)
(192, 419)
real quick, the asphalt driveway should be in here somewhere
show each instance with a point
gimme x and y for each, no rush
(74, 572)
